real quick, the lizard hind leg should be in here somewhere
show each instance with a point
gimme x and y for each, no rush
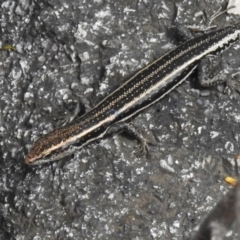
(208, 79)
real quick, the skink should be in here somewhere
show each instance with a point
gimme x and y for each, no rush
(146, 87)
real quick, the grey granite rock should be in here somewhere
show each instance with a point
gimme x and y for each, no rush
(69, 49)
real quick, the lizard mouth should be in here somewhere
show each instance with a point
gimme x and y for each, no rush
(30, 160)
(33, 159)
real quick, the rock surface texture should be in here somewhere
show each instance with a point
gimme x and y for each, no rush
(69, 49)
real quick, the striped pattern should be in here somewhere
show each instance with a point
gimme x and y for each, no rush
(146, 87)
